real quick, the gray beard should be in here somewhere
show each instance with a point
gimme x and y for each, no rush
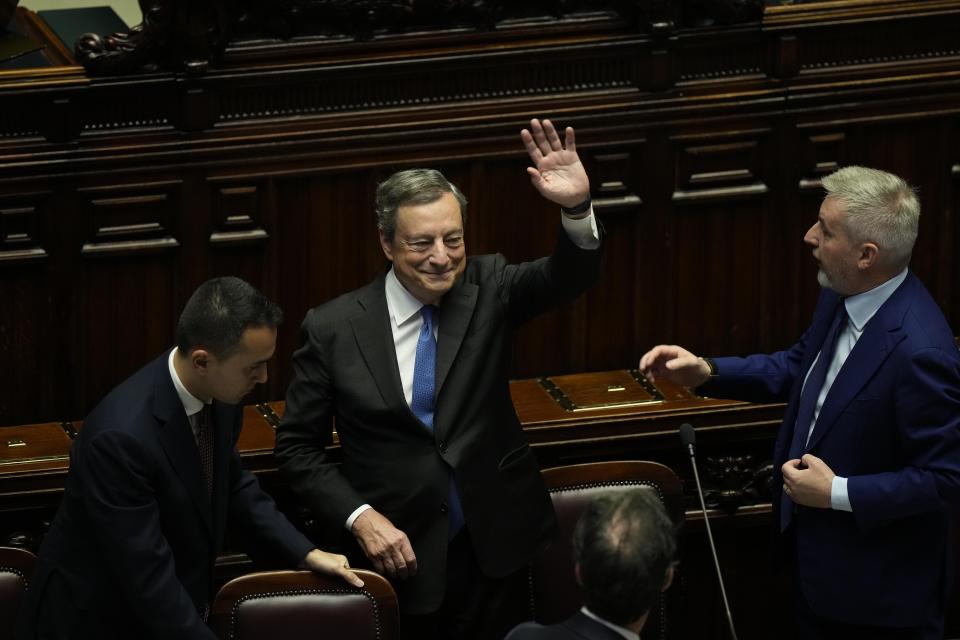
(824, 280)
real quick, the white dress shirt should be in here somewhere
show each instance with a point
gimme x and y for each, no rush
(192, 405)
(406, 321)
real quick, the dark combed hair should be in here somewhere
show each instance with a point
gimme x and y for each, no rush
(218, 313)
(624, 543)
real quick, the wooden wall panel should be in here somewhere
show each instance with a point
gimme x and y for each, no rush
(705, 145)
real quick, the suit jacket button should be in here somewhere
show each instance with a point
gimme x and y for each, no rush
(443, 447)
(443, 507)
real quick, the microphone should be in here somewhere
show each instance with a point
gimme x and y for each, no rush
(688, 437)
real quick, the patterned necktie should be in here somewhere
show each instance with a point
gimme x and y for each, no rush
(424, 388)
(425, 369)
(808, 402)
(205, 446)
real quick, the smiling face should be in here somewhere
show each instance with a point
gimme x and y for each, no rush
(427, 248)
(836, 254)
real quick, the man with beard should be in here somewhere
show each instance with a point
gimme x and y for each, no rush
(867, 462)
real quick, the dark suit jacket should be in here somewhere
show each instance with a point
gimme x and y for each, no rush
(347, 367)
(891, 424)
(578, 627)
(131, 551)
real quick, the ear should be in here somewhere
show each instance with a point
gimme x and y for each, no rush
(386, 245)
(868, 256)
(200, 360)
(667, 579)
(576, 572)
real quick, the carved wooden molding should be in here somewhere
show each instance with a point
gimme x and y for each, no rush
(131, 219)
(722, 170)
(21, 226)
(189, 37)
(836, 11)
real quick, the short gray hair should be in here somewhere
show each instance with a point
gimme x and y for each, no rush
(878, 207)
(412, 187)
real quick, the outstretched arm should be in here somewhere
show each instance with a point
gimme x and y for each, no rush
(676, 364)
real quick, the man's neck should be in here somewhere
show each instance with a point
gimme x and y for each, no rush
(185, 372)
(873, 281)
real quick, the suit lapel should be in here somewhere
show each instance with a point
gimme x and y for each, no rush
(818, 332)
(456, 310)
(176, 438)
(374, 337)
(222, 417)
(881, 334)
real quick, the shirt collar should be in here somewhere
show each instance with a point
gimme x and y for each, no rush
(863, 306)
(191, 403)
(623, 631)
(400, 303)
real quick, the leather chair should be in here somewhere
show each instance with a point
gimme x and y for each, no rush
(554, 593)
(296, 605)
(16, 568)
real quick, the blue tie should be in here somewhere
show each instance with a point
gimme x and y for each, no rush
(425, 369)
(808, 402)
(424, 386)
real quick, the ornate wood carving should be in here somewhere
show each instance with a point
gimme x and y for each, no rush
(733, 481)
(189, 37)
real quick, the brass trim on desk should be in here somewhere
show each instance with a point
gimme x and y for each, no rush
(269, 415)
(69, 429)
(20, 461)
(568, 404)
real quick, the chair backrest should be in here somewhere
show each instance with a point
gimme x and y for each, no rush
(554, 593)
(16, 568)
(302, 604)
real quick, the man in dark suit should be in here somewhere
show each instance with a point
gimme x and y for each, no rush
(155, 480)
(867, 463)
(437, 485)
(623, 552)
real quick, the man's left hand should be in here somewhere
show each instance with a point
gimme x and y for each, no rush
(558, 176)
(808, 481)
(331, 564)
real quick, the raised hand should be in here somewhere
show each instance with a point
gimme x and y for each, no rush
(558, 173)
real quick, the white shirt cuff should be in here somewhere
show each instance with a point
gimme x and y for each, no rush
(839, 498)
(582, 232)
(356, 514)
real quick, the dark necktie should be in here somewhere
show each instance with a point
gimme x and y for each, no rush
(808, 402)
(205, 446)
(424, 389)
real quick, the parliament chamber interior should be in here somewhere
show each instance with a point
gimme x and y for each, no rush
(248, 139)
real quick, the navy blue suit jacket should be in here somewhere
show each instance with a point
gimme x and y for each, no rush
(891, 424)
(131, 551)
